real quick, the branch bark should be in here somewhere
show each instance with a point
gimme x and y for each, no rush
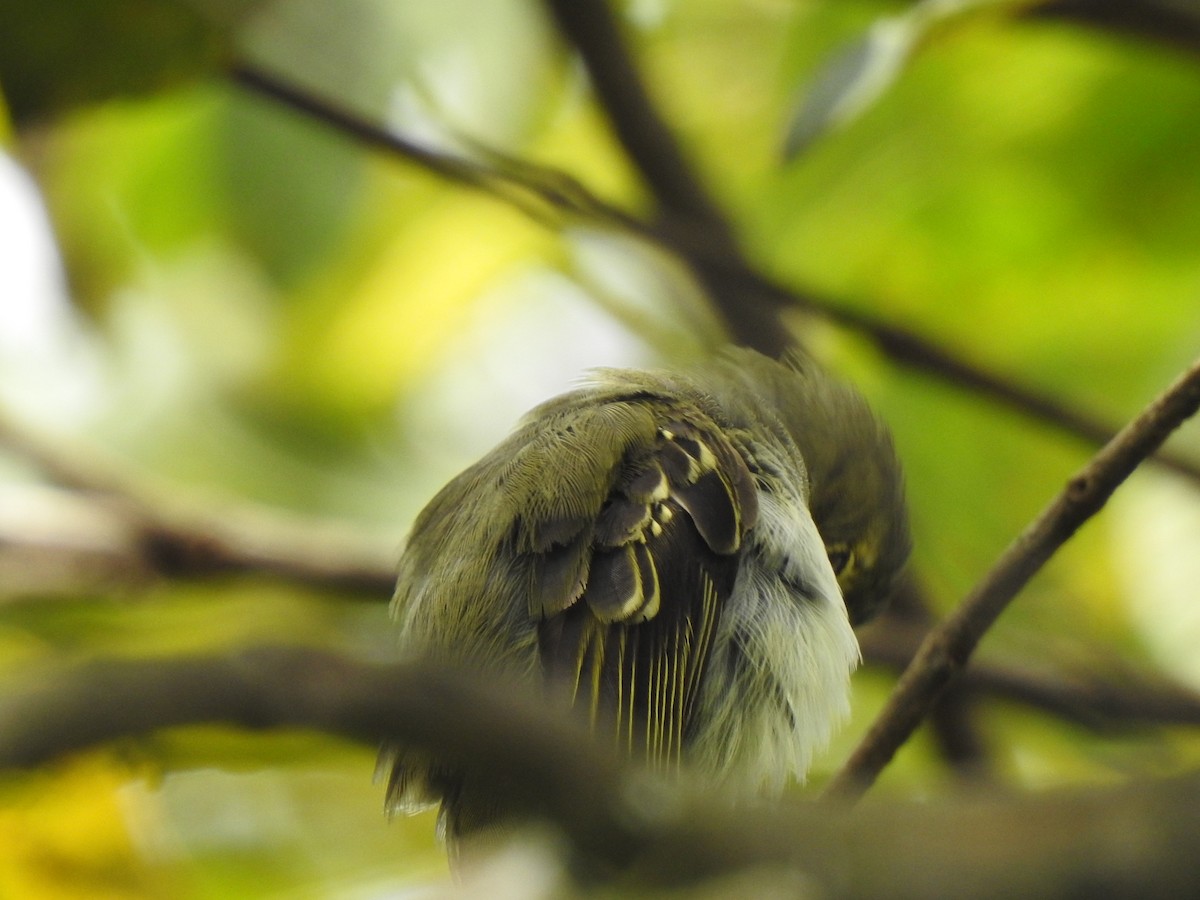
(107, 551)
(628, 828)
(946, 650)
(546, 760)
(686, 210)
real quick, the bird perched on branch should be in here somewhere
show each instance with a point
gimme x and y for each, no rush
(681, 554)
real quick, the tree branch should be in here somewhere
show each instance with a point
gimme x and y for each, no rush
(628, 828)
(592, 29)
(1102, 703)
(1173, 23)
(694, 227)
(114, 549)
(543, 196)
(540, 762)
(548, 195)
(951, 720)
(687, 212)
(147, 534)
(946, 650)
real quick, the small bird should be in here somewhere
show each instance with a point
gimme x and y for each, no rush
(681, 553)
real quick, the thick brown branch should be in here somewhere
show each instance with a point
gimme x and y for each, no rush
(1137, 841)
(946, 650)
(541, 763)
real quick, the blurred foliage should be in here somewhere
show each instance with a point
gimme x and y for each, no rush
(63, 57)
(260, 309)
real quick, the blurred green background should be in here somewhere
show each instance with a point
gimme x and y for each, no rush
(246, 307)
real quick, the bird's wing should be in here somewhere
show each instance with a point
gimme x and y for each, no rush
(627, 591)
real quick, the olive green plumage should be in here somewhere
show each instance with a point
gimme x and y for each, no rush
(660, 549)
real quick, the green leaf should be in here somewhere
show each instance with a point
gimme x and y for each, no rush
(850, 81)
(855, 76)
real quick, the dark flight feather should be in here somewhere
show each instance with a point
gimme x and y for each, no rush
(662, 561)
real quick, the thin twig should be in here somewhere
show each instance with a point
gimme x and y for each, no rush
(923, 355)
(456, 169)
(946, 650)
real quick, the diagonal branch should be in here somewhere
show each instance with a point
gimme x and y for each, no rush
(686, 210)
(543, 200)
(592, 29)
(550, 197)
(923, 355)
(946, 650)
(952, 719)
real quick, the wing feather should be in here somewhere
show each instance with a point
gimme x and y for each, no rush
(662, 558)
(599, 543)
